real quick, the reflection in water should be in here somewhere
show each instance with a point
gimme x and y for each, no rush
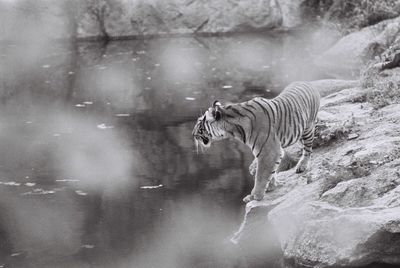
(98, 166)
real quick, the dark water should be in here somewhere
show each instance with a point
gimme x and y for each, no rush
(86, 128)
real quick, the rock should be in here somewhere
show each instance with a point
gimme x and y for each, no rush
(345, 210)
(136, 18)
(291, 12)
(355, 49)
(329, 86)
(352, 136)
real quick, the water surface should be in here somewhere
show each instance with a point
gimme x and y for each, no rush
(98, 166)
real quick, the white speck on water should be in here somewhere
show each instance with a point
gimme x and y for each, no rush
(213, 69)
(151, 187)
(47, 82)
(87, 102)
(157, 64)
(227, 86)
(56, 134)
(104, 126)
(30, 184)
(70, 73)
(15, 254)
(268, 90)
(28, 122)
(38, 191)
(122, 115)
(227, 73)
(11, 183)
(26, 177)
(102, 67)
(266, 67)
(87, 246)
(134, 59)
(66, 180)
(104, 55)
(149, 78)
(46, 66)
(190, 98)
(196, 92)
(80, 105)
(79, 192)
(141, 52)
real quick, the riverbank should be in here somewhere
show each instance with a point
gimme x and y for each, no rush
(344, 211)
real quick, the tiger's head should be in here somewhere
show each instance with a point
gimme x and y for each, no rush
(211, 126)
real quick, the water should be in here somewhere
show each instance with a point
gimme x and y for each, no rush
(98, 166)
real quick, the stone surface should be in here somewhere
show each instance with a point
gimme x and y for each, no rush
(127, 18)
(132, 18)
(353, 50)
(345, 209)
(291, 12)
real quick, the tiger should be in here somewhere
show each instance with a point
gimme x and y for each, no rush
(266, 126)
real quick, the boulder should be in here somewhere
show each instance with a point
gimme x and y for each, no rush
(135, 18)
(344, 211)
(354, 49)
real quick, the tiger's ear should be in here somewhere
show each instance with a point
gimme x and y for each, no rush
(216, 104)
(217, 114)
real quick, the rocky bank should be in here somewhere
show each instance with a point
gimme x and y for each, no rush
(115, 19)
(121, 19)
(345, 210)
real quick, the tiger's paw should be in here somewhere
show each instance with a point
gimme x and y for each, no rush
(302, 164)
(301, 168)
(248, 198)
(252, 197)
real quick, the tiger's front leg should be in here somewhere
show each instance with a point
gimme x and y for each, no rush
(266, 168)
(253, 167)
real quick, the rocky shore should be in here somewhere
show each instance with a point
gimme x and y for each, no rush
(345, 210)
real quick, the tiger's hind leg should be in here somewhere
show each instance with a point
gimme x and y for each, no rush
(273, 183)
(307, 139)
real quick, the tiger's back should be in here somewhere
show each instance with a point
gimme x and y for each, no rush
(296, 112)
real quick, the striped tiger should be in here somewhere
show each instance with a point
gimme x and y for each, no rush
(266, 126)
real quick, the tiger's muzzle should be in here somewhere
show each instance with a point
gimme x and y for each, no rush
(201, 135)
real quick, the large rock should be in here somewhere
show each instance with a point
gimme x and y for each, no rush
(131, 18)
(353, 50)
(345, 210)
